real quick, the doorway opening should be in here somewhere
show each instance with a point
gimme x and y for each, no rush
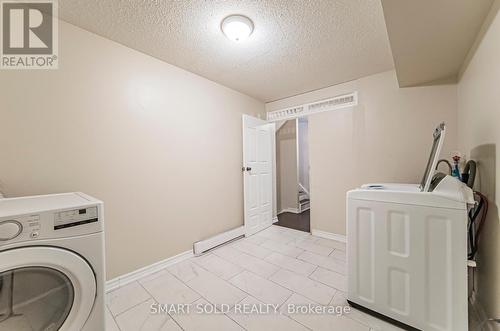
(292, 174)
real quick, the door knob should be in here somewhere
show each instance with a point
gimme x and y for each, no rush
(249, 169)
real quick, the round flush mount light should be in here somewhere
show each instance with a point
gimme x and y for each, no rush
(237, 27)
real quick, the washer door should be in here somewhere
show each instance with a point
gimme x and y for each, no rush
(45, 288)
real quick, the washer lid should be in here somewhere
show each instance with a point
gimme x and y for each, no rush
(46, 287)
(449, 193)
(37, 204)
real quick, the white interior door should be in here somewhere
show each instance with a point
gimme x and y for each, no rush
(258, 139)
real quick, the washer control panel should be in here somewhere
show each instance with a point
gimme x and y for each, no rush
(32, 224)
(41, 219)
(27, 226)
(69, 218)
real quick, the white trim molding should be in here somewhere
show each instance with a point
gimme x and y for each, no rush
(119, 281)
(329, 235)
(289, 210)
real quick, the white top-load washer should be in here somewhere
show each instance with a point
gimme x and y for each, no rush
(407, 249)
(52, 263)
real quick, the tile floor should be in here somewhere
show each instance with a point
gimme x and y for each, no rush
(278, 266)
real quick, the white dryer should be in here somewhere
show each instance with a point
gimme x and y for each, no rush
(52, 263)
(407, 249)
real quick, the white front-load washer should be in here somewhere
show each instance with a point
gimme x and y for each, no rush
(52, 263)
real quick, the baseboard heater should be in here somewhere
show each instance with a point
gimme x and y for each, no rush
(203, 246)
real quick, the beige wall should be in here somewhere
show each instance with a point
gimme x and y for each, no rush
(160, 146)
(479, 138)
(386, 138)
(286, 166)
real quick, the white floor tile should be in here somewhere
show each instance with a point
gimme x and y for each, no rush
(252, 249)
(282, 231)
(255, 265)
(309, 288)
(215, 289)
(110, 321)
(339, 299)
(273, 229)
(198, 321)
(218, 266)
(376, 324)
(276, 237)
(153, 275)
(227, 251)
(282, 248)
(171, 325)
(139, 318)
(261, 288)
(265, 268)
(290, 232)
(292, 264)
(264, 322)
(295, 233)
(255, 239)
(262, 234)
(185, 270)
(330, 278)
(167, 289)
(338, 254)
(319, 322)
(326, 262)
(308, 239)
(331, 243)
(126, 297)
(310, 245)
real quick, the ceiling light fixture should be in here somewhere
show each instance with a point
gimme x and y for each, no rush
(237, 27)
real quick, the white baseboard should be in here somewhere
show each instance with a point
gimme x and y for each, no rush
(329, 235)
(289, 210)
(119, 281)
(204, 245)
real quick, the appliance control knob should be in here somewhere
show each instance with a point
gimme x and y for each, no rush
(9, 230)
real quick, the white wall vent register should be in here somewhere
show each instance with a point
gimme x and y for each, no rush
(338, 102)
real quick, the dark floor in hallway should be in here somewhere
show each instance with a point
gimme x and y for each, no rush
(295, 221)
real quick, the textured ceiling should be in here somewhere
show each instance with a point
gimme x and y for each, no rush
(297, 46)
(431, 39)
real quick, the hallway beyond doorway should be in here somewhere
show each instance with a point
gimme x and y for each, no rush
(299, 222)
